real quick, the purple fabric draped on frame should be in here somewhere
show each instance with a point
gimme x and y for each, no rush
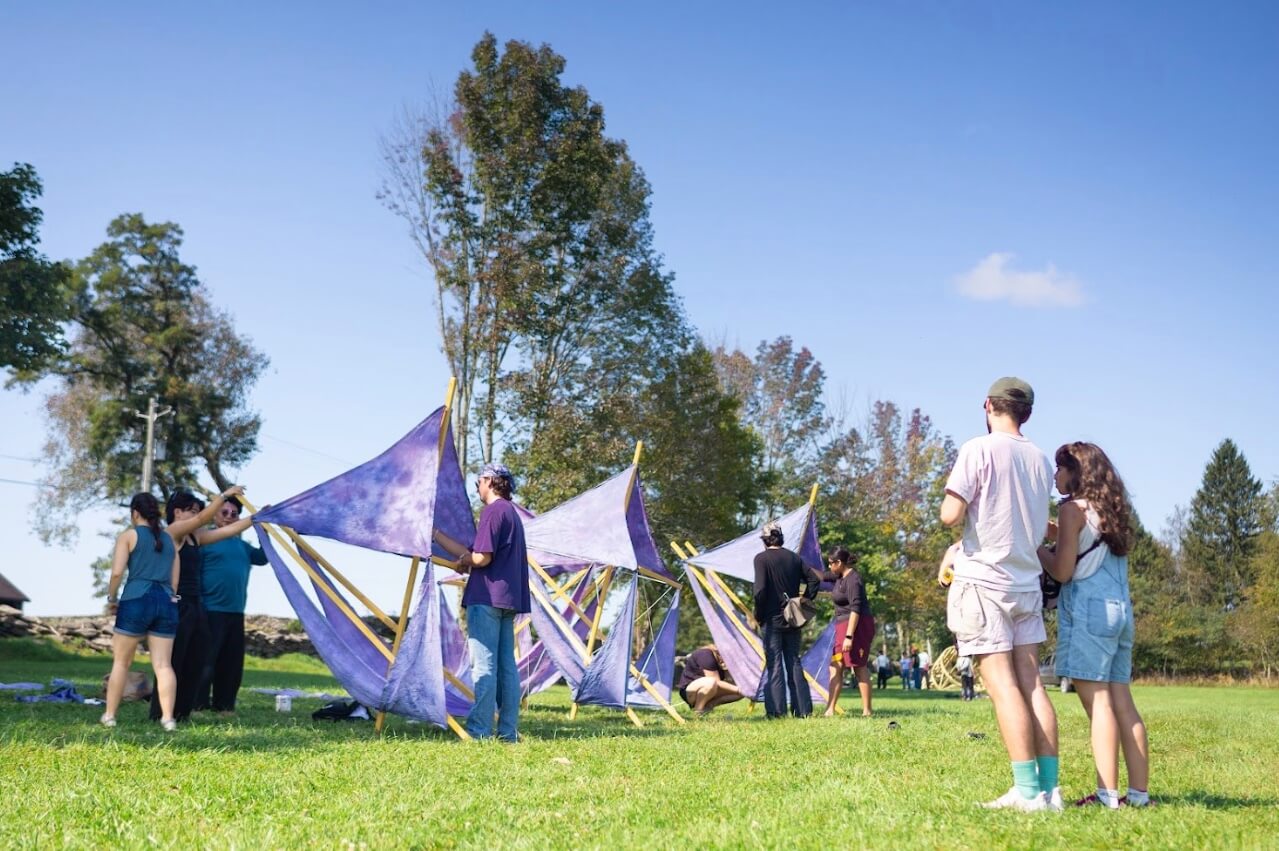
(736, 558)
(657, 662)
(606, 525)
(391, 504)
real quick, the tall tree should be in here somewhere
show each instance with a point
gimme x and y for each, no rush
(781, 394)
(535, 226)
(142, 325)
(33, 291)
(1225, 520)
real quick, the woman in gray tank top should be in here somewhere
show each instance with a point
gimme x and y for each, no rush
(148, 605)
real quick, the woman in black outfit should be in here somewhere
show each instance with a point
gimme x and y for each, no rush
(184, 515)
(779, 573)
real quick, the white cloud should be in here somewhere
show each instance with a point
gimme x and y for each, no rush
(992, 279)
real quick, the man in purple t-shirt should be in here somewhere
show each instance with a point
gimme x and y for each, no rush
(496, 591)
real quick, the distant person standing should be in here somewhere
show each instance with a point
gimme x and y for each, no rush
(904, 665)
(780, 574)
(925, 666)
(916, 670)
(883, 668)
(227, 560)
(964, 664)
(1000, 490)
(496, 592)
(854, 628)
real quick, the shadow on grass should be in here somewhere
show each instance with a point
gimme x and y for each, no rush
(1213, 801)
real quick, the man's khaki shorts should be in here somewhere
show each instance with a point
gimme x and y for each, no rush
(988, 621)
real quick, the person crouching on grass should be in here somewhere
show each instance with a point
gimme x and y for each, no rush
(1095, 621)
(705, 683)
(854, 628)
(148, 605)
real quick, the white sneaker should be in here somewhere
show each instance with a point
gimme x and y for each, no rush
(107, 720)
(1012, 800)
(1055, 803)
(169, 725)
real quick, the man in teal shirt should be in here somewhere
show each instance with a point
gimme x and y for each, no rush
(226, 589)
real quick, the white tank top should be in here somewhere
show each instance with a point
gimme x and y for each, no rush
(1088, 565)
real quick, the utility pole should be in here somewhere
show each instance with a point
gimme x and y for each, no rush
(150, 416)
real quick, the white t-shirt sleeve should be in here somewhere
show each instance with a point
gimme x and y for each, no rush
(965, 478)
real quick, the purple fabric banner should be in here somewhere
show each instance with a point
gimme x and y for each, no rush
(413, 688)
(605, 680)
(737, 557)
(657, 662)
(386, 504)
(606, 525)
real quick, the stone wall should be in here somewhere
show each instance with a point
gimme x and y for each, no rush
(264, 636)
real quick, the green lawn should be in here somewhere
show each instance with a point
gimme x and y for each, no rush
(732, 780)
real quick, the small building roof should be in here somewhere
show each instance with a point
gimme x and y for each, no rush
(9, 591)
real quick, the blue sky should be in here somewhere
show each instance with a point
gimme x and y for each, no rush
(928, 196)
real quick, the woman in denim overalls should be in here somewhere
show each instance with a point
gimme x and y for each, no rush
(1095, 622)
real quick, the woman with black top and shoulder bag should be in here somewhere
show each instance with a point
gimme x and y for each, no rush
(779, 576)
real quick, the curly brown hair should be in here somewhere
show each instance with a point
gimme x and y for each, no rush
(1092, 477)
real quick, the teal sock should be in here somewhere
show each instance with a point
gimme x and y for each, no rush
(1026, 778)
(1048, 769)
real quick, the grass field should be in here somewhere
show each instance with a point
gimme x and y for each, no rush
(732, 780)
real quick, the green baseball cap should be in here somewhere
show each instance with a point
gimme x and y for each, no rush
(1012, 389)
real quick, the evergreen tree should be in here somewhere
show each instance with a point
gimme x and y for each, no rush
(1225, 520)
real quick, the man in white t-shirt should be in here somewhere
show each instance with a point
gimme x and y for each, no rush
(925, 665)
(1000, 490)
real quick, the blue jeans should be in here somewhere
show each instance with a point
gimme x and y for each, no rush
(491, 639)
(783, 674)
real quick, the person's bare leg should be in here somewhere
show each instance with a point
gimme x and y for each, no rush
(863, 685)
(166, 682)
(1043, 716)
(122, 650)
(1012, 712)
(833, 687)
(1105, 734)
(724, 693)
(1132, 734)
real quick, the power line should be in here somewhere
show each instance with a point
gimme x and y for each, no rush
(306, 449)
(20, 458)
(19, 482)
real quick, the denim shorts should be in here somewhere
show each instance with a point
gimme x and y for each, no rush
(1095, 626)
(154, 613)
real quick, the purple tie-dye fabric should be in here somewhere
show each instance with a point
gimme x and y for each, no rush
(415, 687)
(362, 681)
(350, 634)
(606, 525)
(386, 504)
(605, 680)
(453, 513)
(737, 557)
(817, 661)
(657, 662)
(742, 660)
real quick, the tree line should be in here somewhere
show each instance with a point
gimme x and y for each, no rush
(570, 343)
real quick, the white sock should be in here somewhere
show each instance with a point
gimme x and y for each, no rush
(1109, 798)
(1137, 798)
